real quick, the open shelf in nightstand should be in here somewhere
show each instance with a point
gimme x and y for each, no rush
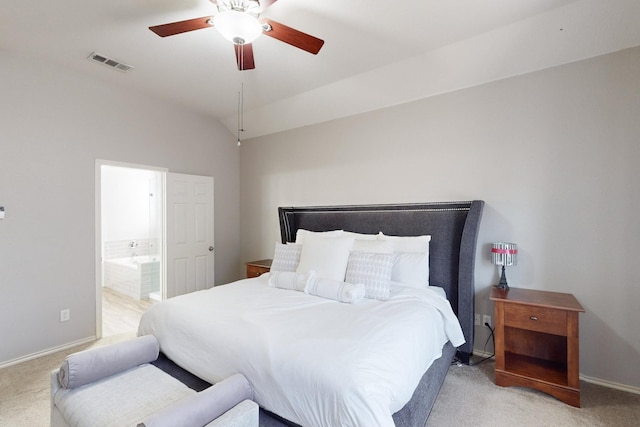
(533, 367)
(536, 354)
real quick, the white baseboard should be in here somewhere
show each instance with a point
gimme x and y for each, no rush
(610, 384)
(47, 352)
(597, 381)
(481, 353)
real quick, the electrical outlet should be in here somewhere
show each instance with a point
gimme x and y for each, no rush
(487, 319)
(65, 315)
(476, 319)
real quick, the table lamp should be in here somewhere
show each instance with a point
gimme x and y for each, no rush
(506, 255)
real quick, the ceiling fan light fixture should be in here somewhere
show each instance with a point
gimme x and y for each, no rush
(237, 27)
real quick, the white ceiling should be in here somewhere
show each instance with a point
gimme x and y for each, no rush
(376, 54)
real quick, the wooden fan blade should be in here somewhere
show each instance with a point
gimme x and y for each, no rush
(265, 4)
(174, 28)
(293, 37)
(244, 56)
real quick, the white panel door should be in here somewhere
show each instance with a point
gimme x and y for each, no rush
(190, 258)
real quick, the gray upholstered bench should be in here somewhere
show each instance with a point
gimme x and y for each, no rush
(117, 386)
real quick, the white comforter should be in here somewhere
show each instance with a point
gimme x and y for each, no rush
(314, 361)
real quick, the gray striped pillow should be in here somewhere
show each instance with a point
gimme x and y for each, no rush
(373, 270)
(286, 257)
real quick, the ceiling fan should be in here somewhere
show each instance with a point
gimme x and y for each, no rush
(239, 21)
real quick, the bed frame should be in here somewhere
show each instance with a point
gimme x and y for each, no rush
(453, 227)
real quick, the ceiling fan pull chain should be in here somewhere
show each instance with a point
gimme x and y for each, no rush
(240, 112)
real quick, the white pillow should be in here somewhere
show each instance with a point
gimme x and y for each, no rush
(328, 256)
(286, 257)
(412, 268)
(360, 236)
(376, 246)
(373, 270)
(301, 234)
(335, 290)
(407, 243)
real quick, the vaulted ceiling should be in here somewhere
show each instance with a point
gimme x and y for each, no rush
(376, 53)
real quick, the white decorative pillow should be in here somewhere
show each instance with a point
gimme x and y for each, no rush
(328, 256)
(373, 270)
(410, 265)
(407, 243)
(290, 280)
(412, 268)
(360, 236)
(377, 246)
(335, 290)
(286, 257)
(302, 234)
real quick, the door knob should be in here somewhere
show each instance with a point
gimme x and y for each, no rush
(210, 248)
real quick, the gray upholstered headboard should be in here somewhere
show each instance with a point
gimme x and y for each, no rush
(453, 227)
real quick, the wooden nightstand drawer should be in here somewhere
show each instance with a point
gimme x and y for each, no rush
(257, 268)
(541, 319)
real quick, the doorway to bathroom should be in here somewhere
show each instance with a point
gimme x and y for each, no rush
(131, 244)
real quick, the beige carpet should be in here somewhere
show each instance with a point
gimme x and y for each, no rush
(468, 398)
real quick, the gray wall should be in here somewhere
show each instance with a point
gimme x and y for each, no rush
(54, 125)
(553, 153)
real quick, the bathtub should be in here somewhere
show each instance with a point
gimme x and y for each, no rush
(137, 277)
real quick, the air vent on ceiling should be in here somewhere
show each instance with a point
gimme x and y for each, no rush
(112, 63)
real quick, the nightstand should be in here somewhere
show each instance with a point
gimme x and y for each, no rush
(536, 341)
(256, 268)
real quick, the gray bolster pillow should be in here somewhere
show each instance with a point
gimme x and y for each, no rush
(201, 408)
(88, 366)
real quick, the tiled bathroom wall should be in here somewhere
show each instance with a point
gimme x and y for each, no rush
(130, 248)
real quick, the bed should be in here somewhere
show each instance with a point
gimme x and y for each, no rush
(311, 372)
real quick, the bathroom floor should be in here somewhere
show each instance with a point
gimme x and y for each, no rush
(120, 313)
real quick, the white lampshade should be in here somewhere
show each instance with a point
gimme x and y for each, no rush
(504, 254)
(237, 27)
